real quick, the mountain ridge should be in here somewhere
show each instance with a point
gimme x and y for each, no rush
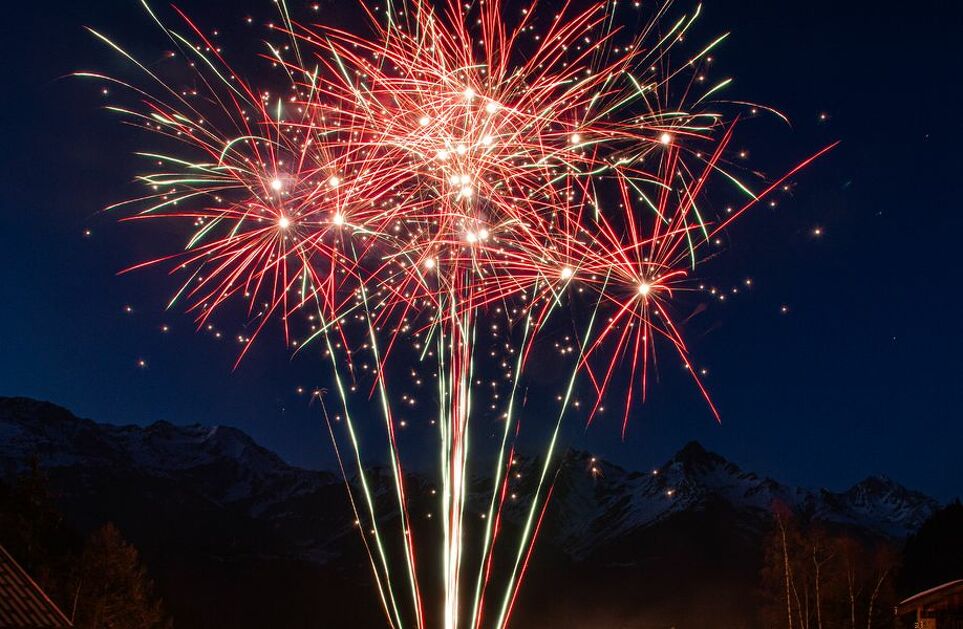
(212, 510)
(609, 499)
(60, 439)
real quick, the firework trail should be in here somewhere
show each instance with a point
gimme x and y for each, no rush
(451, 170)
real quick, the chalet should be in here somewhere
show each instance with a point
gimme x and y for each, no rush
(23, 604)
(936, 608)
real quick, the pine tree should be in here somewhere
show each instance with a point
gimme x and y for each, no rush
(934, 555)
(33, 530)
(30, 523)
(113, 588)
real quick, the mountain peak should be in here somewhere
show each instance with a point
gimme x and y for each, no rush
(878, 481)
(692, 450)
(693, 457)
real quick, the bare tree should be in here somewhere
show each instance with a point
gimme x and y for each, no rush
(817, 578)
(785, 560)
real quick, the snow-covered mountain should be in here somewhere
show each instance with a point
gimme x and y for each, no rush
(168, 477)
(604, 502)
(237, 537)
(215, 469)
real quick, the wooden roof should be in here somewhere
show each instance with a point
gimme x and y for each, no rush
(942, 597)
(23, 604)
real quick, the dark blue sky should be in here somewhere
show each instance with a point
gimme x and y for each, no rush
(862, 375)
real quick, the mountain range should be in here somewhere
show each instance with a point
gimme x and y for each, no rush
(210, 507)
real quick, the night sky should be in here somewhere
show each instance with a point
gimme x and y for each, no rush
(840, 362)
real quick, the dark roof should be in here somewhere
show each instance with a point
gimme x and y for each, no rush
(23, 605)
(946, 596)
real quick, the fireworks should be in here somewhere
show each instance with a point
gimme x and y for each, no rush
(452, 170)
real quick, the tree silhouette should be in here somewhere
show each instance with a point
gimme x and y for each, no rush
(113, 589)
(934, 555)
(33, 530)
(29, 520)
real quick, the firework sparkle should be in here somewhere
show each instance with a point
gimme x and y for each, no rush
(455, 170)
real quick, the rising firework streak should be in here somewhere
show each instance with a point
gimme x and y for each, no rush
(450, 171)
